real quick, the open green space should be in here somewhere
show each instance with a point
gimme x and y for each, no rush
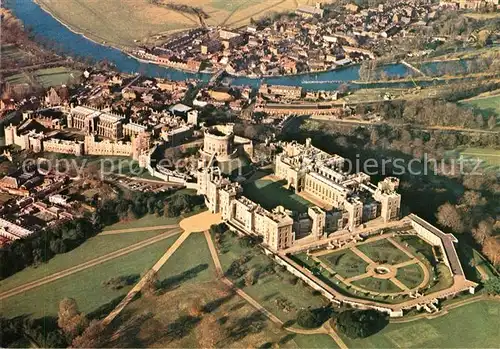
(345, 262)
(46, 77)
(92, 248)
(86, 286)
(276, 289)
(191, 262)
(12, 53)
(383, 252)
(270, 194)
(411, 275)
(339, 286)
(485, 105)
(417, 246)
(477, 159)
(313, 341)
(57, 76)
(149, 220)
(377, 285)
(470, 326)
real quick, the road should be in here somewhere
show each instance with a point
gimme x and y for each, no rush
(138, 287)
(325, 329)
(89, 264)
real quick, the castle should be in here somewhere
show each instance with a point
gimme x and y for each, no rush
(344, 201)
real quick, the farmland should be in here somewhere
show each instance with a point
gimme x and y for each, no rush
(126, 23)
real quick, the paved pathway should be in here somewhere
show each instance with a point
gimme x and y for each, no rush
(362, 255)
(138, 287)
(325, 329)
(139, 229)
(89, 264)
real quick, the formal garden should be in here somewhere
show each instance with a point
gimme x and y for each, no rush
(388, 268)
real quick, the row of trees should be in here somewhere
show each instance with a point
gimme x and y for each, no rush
(428, 112)
(43, 245)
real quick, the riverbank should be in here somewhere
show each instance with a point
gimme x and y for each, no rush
(89, 37)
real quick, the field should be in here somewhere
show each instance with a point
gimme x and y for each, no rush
(270, 194)
(46, 77)
(92, 248)
(133, 22)
(487, 105)
(148, 220)
(279, 292)
(193, 309)
(86, 286)
(488, 159)
(470, 326)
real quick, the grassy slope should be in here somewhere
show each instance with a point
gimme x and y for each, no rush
(193, 259)
(149, 220)
(471, 326)
(85, 286)
(92, 248)
(270, 287)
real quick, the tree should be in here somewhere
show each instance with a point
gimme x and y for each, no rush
(70, 320)
(151, 284)
(361, 323)
(92, 337)
(492, 285)
(491, 249)
(492, 122)
(483, 231)
(449, 216)
(250, 277)
(313, 318)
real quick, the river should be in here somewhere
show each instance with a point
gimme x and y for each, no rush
(44, 25)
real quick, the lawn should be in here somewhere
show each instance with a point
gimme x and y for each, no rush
(417, 246)
(377, 285)
(57, 76)
(270, 194)
(383, 252)
(345, 262)
(199, 315)
(470, 326)
(86, 286)
(277, 291)
(475, 159)
(313, 341)
(411, 275)
(135, 22)
(46, 77)
(191, 263)
(486, 105)
(149, 220)
(92, 248)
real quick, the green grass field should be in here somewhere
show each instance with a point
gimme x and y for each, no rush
(46, 77)
(345, 262)
(92, 248)
(476, 159)
(383, 252)
(377, 285)
(271, 288)
(191, 263)
(270, 194)
(85, 286)
(315, 341)
(149, 220)
(470, 326)
(411, 275)
(486, 105)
